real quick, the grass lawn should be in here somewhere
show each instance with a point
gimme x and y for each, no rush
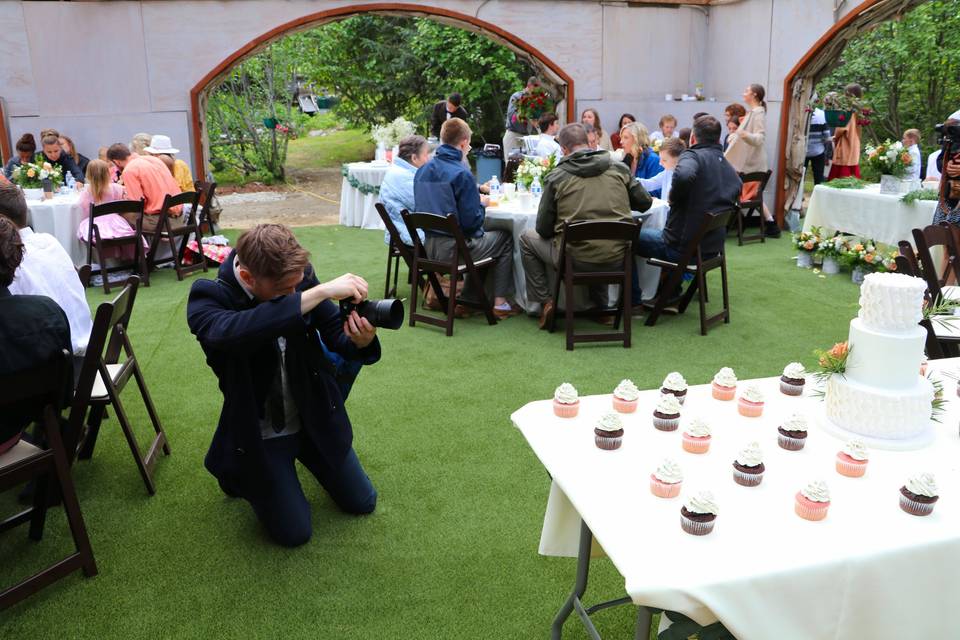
(331, 150)
(451, 551)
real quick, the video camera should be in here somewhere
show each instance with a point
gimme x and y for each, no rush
(948, 137)
(387, 314)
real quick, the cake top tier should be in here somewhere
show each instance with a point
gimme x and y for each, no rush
(891, 301)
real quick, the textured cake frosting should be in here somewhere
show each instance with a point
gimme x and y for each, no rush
(879, 413)
(891, 301)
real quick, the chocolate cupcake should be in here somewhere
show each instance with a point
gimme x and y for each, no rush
(609, 432)
(666, 416)
(699, 515)
(793, 433)
(748, 468)
(793, 378)
(675, 385)
(919, 495)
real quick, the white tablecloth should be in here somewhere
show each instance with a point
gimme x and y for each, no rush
(60, 217)
(357, 209)
(868, 571)
(867, 213)
(511, 216)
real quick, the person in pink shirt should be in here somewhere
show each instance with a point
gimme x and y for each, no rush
(148, 178)
(99, 190)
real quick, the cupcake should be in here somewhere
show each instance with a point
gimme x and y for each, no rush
(625, 397)
(750, 403)
(699, 514)
(793, 433)
(748, 467)
(566, 402)
(918, 496)
(725, 384)
(812, 501)
(666, 417)
(666, 480)
(793, 378)
(674, 384)
(609, 432)
(852, 461)
(696, 437)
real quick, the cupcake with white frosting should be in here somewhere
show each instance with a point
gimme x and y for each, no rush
(675, 385)
(608, 434)
(918, 496)
(666, 416)
(625, 397)
(852, 460)
(748, 468)
(724, 384)
(566, 401)
(750, 403)
(793, 378)
(812, 502)
(699, 514)
(665, 481)
(792, 434)
(696, 436)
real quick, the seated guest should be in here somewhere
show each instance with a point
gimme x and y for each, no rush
(667, 129)
(161, 147)
(54, 154)
(148, 178)
(443, 185)
(734, 113)
(549, 125)
(642, 160)
(26, 152)
(670, 152)
(396, 191)
(33, 330)
(586, 185)
(70, 149)
(911, 141)
(592, 117)
(703, 182)
(139, 142)
(114, 172)
(444, 110)
(732, 126)
(625, 119)
(99, 190)
(592, 140)
(684, 135)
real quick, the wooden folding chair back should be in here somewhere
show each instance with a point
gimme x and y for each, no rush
(204, 221)
(692, 261)
(747, 208)
(39, 392)
(97, 243)
(926, 239)
(909, 264)
(165, 232)
(107, 366)
(396, 251)
(460, 264)
(588, 230)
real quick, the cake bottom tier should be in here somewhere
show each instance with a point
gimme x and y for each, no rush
(891, 414)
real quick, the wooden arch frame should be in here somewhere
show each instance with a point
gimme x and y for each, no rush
(319, 18)
(797, 85)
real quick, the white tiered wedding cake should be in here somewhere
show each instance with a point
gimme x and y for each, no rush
(882, 397)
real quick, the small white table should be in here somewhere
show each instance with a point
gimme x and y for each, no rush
(357, 208)
(867, 213)
(868, 571)
(60, 217)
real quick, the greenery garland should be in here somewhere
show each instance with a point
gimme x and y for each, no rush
(920, 194)
(846, 183)
(362, 187)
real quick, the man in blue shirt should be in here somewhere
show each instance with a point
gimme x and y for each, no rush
(443, 186)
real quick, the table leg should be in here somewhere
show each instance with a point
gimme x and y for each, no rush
(580, 585)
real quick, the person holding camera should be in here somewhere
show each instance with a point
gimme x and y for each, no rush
(264, 324)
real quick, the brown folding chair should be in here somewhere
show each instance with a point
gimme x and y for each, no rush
(461, 264)
(103, 376)
(396, 251)
(611, 230)
(692, 261)
(39, 392)
(205, 223)
(98, 244)
(746, 209)
(166, 232)
(907, 259)
(937, 236)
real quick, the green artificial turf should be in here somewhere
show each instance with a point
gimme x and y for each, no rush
(451, 551)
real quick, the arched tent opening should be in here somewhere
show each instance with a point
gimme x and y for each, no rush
(550, 72)
(799, 85)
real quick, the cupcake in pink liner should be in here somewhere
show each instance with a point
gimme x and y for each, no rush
(696, 436)
(852, 460)
(750, 403)
(725, 384)
(608, 434)
(748, 468)
(918, 496)
(812, 502)
(665, 481)
(666, 416)
(625, 397)
(792, 434)
(793, 379)
(674, 384)
(699, 514)
(566, 402)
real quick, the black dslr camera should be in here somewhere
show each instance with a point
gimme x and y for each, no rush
(387, 314)
(948, 137)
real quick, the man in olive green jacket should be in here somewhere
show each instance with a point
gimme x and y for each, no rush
(585, 185)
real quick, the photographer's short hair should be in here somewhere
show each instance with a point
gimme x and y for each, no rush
(13, 205)
(118, 151)
(454, 131)
(572, 136)
(411, 146)
(706, 129)
(673, 147)
(913, 134)
(546, 120)
(455, 99)
(271, 251)
(11, 251)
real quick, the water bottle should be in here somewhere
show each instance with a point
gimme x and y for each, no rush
(494, 188)
(536, 190)
(71, 181)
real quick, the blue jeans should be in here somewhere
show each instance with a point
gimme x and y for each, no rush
(283, 509)
(650, 244)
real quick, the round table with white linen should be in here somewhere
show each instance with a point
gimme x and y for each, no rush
(60, 217)
(516, 216)
(357, 208)
(869, 570)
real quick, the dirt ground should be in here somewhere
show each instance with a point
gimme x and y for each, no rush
(311, 198)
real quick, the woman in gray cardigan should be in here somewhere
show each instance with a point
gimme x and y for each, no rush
(747, 151)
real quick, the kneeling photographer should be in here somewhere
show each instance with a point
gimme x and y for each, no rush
(275, 338)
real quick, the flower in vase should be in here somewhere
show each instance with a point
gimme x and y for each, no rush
(31, 173)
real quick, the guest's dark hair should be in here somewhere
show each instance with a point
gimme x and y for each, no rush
(572, 136)
(546, 120)
(706, 129)
(455, 99)
(854, 89)
(632, 117)
(118, 151)
(13, 205)
(411, 146)
(735, 110)
(27, 144)
(699, 114)
(760, 93)
(684, 134)
(11, 251)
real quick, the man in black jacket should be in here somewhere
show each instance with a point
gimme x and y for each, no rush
(444, 110)
(260, 324)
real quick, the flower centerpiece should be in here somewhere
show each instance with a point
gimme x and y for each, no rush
(830, 249)
(865, 256)
(30, 177)
(891, 160)
(388, 136)
(806, 243)
(533, 104)
(534, 168)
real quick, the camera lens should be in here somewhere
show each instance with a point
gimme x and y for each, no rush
(387, 314)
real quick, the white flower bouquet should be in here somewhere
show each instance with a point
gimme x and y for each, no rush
(389, 135)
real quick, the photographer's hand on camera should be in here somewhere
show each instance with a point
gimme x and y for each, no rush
(359, 330)
(346, 287)
(953, 168)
